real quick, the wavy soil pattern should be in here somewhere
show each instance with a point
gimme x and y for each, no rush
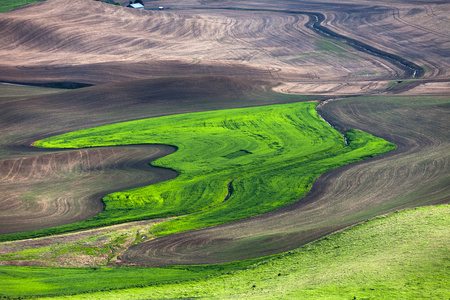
(42, 188)
(96, 43)
(62, 188)
(128, 44)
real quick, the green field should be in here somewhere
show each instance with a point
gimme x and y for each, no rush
(268, 156)
(6, 5)
(401, 256)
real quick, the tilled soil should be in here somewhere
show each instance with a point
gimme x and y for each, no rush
(48, 190)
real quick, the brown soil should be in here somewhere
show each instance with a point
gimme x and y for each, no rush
(68, 42)
(61, 188)
(42, 188)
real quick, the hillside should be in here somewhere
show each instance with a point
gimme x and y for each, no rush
(380, 68)
(93, 42)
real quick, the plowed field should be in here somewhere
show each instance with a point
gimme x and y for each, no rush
(51, 44)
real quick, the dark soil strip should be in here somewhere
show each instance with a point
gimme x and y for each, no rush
(97, 170)
(55, 85)
(411, 69)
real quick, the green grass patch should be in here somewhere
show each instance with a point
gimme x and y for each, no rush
(31, 281)
(326, 45)
(400, 256)
(290, 147)
(92, 248)
(6, 5)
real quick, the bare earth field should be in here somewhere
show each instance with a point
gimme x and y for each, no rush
(42, 188)
(51, 44)
(61, 188)
(203, 55)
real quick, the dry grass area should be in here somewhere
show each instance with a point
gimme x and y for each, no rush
(228, 58)
(87, 248)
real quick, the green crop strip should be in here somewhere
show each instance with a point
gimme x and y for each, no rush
(401, 256)
(6, 5)
(271, 154)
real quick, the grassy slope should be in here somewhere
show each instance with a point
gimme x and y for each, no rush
(6, 5)
(401, 256)
(290, 146)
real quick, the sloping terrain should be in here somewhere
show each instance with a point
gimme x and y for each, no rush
(402, 255)
(416, 30)
(92, 42)
(203, 55)
(415, 174)
(48, 190)
(62, 188)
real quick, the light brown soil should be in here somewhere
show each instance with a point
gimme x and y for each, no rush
(429, 88)
(67, 42)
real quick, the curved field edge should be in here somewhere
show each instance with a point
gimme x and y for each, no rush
(286, 148)
(401, 255)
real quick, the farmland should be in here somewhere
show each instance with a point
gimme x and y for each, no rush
(268, 145)
(121, 127)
